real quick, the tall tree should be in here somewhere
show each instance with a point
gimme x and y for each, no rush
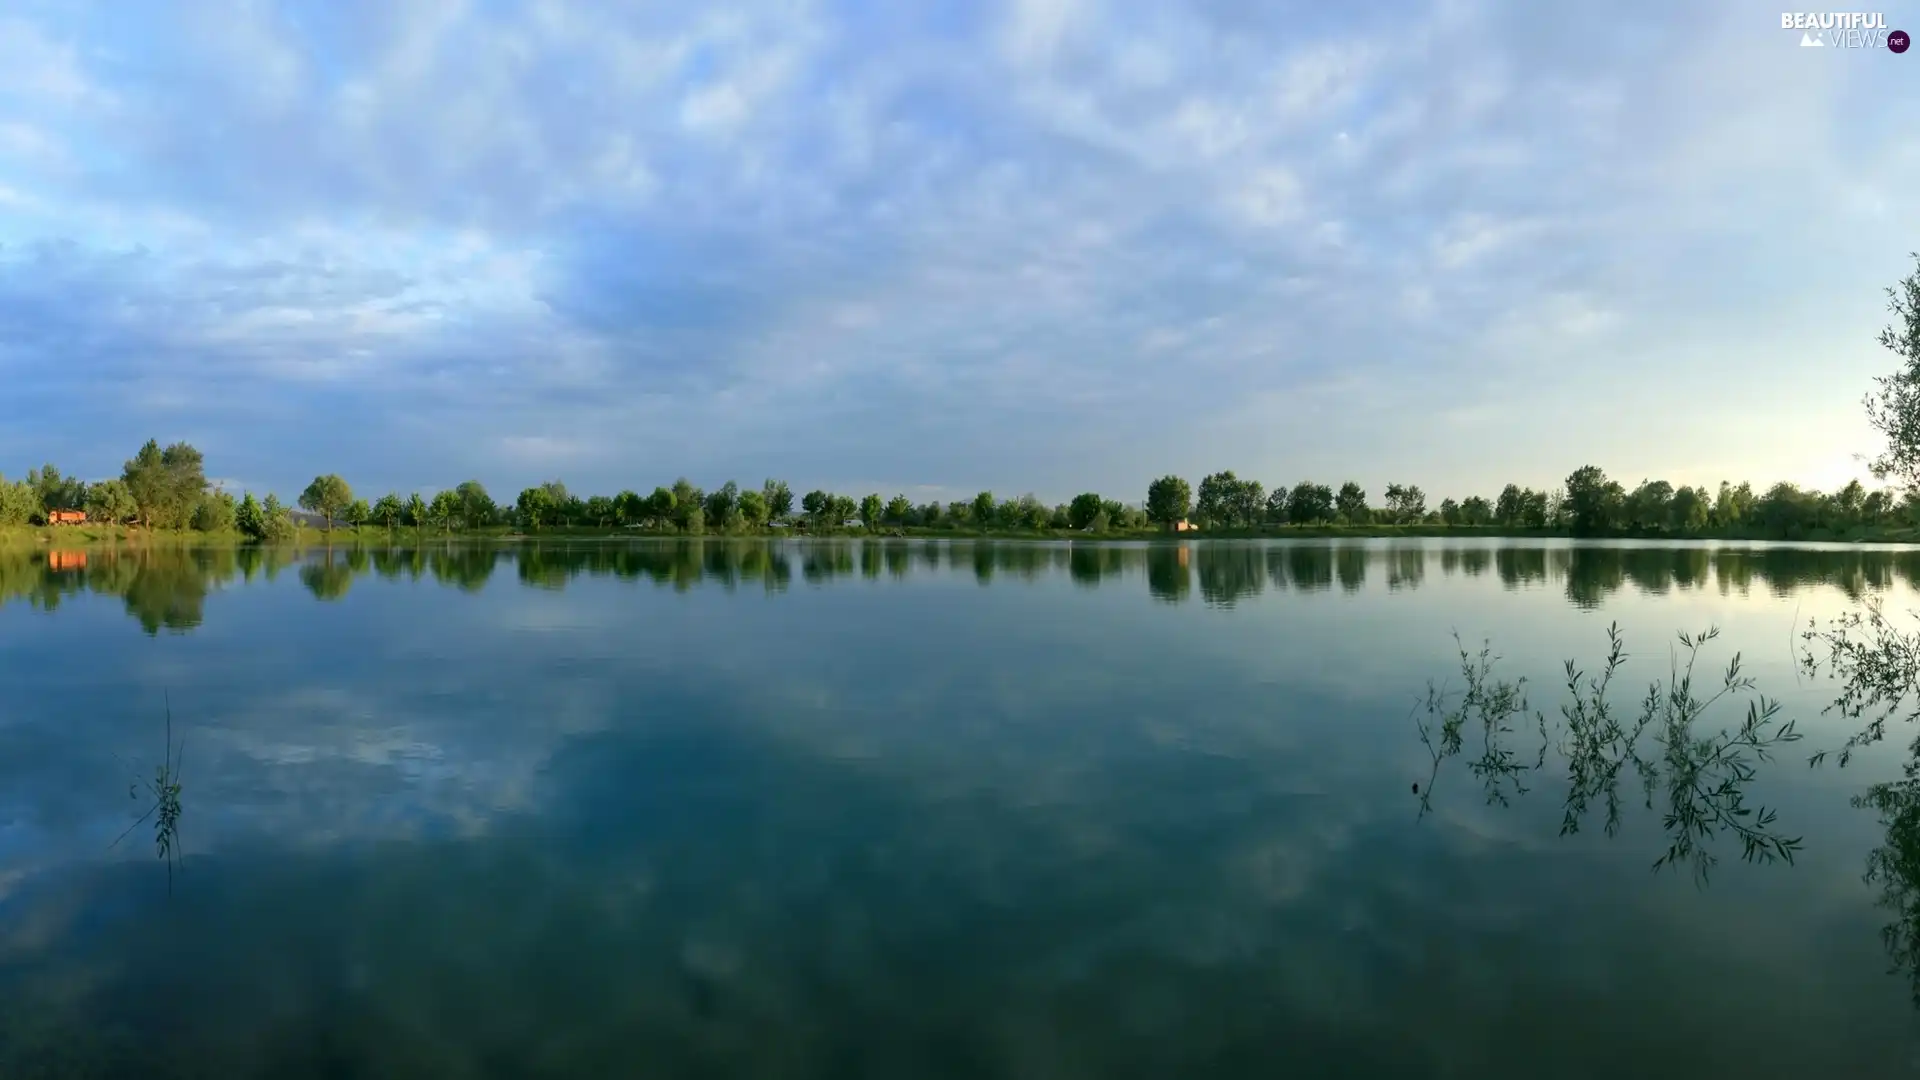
(1310, 503)
(534, 506)
(870, 510)
(1213, 503)
(898, 511)
(110, 501)
(1169, 501)
(661, 507)
(249, 518)
(1591, 500)
(1277, 506)
(601, 510)
(417, 511)
(631, 508)
(816, 503)
(984, 510)
(1083, 508)
(1351, 503)
(1893, 408)
(444, 510)
(753, 508)
(721, 502)
(388, 510)
(215, 512)
(477, 508)
(328, 496)
(779, 499)
(146, 478)
(1406, 503)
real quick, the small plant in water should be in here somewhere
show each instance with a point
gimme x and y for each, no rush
(165, 810)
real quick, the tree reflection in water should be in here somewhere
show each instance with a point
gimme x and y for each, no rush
(1700, 777)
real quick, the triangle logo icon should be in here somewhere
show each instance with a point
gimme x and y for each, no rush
(1808, 41)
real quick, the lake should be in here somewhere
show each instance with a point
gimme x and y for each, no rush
(925, 809)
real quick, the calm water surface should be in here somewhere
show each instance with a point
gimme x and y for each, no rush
(912, 809)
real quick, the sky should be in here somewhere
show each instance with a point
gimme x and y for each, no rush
(1032, 246)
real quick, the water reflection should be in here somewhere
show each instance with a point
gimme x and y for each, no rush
(1697, 774)
(166, 588)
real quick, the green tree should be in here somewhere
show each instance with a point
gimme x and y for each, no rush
(686, 499)
(357, 513)
(1247, 503)
(898, 511)
(870, 510)
(753, 508)
(1310, 503)
(56, 492)
(444, 510)
(1650, 506)
(601, 510)
(779, 499)
(839, 509)
(1351, 503)
(534, 506)
(1277, 506)
(816, 504)
(18, 502)
(110, 501)
(1847, 503)
(388, 510)
(1893, 408)
(630, 507)
(165, 484)
(477, 508)
(1594, 503)
(215, 512)
(1449, 511)
(1475, 510)
(721, 502)
(416, 511)
(327, 496)
(1406, 503)
(1083, 509)
(984, 510)
(661, 507)
(1213, 503)
(1688, 510)
(250, 519)
(1169, 501)
(1506, 507)
(276, 522)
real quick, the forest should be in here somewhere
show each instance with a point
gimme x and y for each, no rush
(166, 488)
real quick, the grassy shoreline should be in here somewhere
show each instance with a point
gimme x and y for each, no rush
(93, 536)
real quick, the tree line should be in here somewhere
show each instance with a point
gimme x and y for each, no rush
(167, 488)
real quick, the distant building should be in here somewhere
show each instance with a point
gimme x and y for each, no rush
(1183, 525)
(66, 517)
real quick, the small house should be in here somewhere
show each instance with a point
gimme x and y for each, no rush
(66, 517)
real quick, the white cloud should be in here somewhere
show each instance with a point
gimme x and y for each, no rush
(781, 234)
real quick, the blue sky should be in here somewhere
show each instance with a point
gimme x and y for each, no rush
(1045, 245)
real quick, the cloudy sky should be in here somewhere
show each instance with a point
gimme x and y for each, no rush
(1041, 245)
